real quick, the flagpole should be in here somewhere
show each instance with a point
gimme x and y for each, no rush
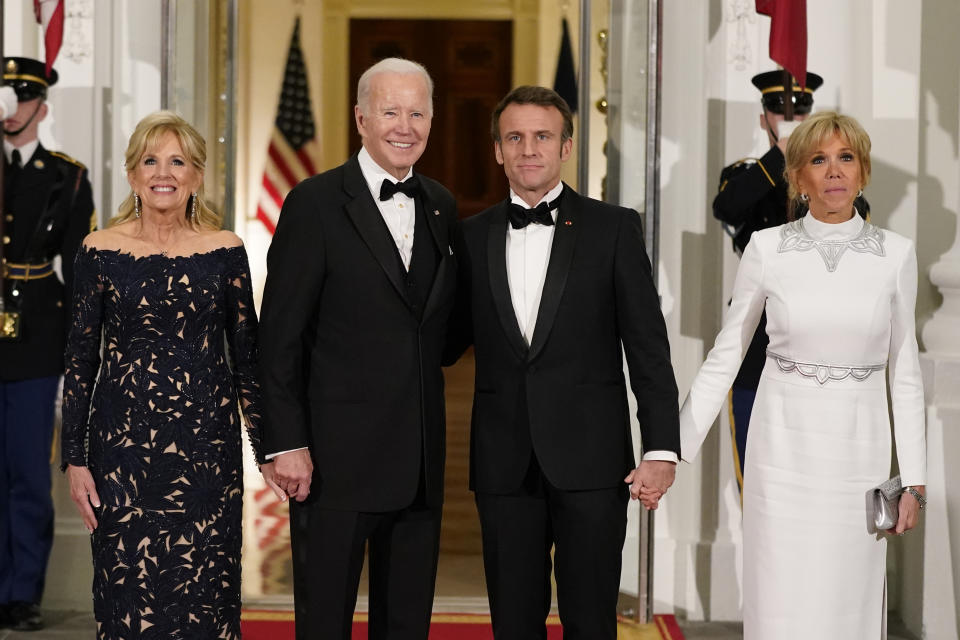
(583, 89)
(788, 90)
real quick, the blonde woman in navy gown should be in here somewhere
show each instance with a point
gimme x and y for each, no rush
(839, 294)
(151, 435)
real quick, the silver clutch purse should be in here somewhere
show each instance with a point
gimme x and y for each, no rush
(883, 505)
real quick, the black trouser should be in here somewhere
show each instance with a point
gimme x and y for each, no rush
(586, 530)
(328, 547)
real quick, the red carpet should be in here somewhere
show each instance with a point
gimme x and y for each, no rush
(278, 625)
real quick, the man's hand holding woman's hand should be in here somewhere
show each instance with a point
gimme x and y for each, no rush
(291, 474)
(650, 481)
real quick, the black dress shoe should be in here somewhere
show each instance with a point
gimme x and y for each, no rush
(24, 616)
(4, 616)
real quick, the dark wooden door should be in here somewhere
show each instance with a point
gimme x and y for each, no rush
(470, 63)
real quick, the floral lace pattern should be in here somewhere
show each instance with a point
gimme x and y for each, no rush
(156, 421)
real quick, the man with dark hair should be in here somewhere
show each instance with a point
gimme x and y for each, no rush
(753, 196)
(360, 285)
(47, 210)
(554, 288)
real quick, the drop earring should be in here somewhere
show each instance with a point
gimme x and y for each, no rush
(136, 205)
(193, 207)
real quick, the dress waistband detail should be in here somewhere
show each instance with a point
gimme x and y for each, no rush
(825, 372)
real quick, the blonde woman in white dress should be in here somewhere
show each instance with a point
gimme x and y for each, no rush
(839, 294)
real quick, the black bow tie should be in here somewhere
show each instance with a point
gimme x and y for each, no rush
(521, 216)
(409, 187)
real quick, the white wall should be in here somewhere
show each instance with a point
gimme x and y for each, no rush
(890, 64)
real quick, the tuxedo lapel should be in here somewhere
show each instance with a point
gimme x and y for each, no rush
(499, 283)
(369, 223)
(437, 222)
(561, 255)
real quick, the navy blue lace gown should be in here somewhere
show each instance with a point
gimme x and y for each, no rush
(158, 425)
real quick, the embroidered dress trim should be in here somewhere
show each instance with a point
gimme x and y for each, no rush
(826, 372)
(793, 237)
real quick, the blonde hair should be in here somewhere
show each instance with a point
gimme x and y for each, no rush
(811, 134)
(146, 136)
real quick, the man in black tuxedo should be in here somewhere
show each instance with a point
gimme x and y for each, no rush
(552, 297)
(361, 281)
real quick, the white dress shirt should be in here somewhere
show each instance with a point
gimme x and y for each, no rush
(399, 212)
(26, 151)
(528, 256)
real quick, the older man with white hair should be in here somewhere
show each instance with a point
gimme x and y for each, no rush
(360, 284)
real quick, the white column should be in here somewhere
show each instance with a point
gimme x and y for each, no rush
(941, 368)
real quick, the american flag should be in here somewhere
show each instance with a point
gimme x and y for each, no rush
(292, 142)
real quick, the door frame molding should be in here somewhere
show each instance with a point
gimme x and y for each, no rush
(335, 25)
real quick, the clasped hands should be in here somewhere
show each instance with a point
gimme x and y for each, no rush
(289, 475)
(650, 481)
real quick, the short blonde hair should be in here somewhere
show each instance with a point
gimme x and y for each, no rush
(146, 136)
(812, 133)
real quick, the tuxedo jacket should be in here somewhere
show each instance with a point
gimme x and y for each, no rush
(564, 397)
(349, 367)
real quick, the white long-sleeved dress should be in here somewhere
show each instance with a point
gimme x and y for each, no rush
(840, 311)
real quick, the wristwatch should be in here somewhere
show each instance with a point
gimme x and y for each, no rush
(916, 494)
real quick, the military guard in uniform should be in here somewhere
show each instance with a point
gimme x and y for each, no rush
(753, 196)
(47, 210)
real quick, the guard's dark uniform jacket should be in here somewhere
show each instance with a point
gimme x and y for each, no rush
(48, 209)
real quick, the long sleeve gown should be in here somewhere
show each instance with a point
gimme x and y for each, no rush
(839, 300)
(158, 425)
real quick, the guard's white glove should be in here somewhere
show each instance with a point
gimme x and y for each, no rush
(786, 127)
(8, 102)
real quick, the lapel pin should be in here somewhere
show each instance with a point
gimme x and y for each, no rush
(436, 212)
(568, 223)
(450, 249)
(38, 164)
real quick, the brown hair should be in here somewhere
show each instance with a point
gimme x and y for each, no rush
(811, 134)
(540, 96)
(146, 136)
